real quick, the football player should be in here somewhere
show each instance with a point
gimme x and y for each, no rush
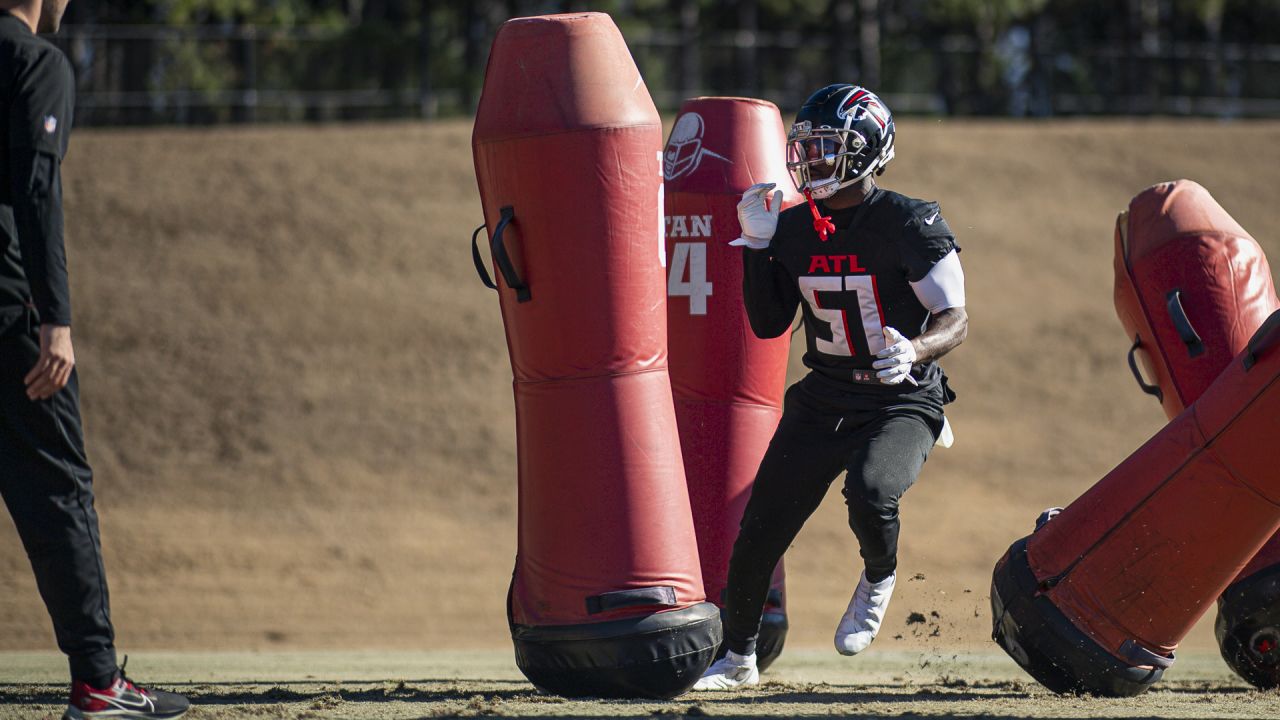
(877, 278)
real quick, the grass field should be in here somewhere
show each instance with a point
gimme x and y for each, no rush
(382, 686)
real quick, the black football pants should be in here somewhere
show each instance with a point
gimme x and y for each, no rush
(47, 485)
(880, 441)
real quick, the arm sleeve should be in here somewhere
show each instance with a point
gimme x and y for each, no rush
(943, 286)
(926, 240)
(769, 294)
(37, 212)
(39, 120)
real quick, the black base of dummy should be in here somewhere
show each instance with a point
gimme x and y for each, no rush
(773, 635)
(1248, 627)
(651, 656)
(1047, 645)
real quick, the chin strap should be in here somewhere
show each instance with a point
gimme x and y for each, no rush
(821, 223)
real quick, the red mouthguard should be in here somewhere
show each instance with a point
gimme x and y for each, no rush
(821, 224)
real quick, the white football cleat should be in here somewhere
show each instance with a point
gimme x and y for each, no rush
(866, 611)
(730, 672)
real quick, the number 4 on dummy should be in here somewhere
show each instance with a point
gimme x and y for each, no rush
(689, 259)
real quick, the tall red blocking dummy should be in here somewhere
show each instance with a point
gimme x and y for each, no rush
(728, 383)
(1098, 599)
(1191, 288)
(606, 598)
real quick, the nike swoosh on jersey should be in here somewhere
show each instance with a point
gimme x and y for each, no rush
(931, 219)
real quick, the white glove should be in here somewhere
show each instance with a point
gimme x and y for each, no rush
(758, 216)
(895, 359)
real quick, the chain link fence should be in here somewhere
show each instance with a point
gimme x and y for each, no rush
(152, 74)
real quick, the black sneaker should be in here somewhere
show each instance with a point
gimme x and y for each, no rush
(123, 700)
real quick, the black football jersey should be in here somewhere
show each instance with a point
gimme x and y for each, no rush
(37, 95)
(850, 286)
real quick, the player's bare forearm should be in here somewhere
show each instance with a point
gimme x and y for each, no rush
(945, 330)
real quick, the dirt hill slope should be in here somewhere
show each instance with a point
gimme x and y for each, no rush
(298, 400)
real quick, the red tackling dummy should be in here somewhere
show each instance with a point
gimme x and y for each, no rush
(1191, 288)
(606, 598)
(728, 383)
(1098, 599)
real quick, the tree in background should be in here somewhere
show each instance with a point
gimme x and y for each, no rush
(241, 60)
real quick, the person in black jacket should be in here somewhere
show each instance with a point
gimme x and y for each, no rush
(877, 278)
(44, 476)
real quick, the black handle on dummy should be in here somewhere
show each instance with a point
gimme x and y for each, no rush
(1140, 656)
(1190, 338)
(500, 258)
(475, 257)
(1263, 340)
(658, 595)
(1137, 374)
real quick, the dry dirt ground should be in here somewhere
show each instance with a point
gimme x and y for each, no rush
(383, 686)
(298, 402)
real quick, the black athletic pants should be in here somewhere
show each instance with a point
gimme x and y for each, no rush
(881, 441)
(47, 485)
